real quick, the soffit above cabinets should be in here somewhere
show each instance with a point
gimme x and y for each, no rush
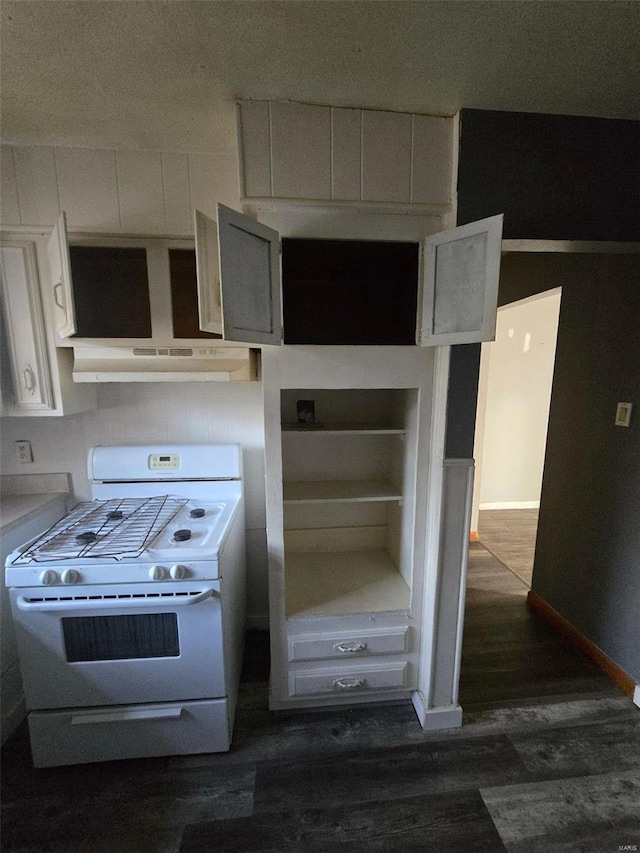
(307, 151)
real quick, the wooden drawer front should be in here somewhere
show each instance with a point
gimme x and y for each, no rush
(348, 681)
(348, 644)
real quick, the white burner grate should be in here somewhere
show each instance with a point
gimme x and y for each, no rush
(117, 528)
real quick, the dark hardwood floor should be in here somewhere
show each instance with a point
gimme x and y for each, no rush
(547, 760)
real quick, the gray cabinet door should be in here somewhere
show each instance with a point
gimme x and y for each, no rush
(461, 271)
(249, 279)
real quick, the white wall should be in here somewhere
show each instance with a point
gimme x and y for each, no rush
(515, 388)
(113, 191)
(136, 192)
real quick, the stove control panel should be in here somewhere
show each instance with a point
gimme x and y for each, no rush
(115, 572)
(164, 461)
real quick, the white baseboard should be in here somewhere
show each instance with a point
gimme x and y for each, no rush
(636, 696)
(511, 505)
(432, 719)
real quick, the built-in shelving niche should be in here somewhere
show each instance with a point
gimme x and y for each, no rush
(349, 500)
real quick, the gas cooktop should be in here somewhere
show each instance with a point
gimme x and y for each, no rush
(129, 529)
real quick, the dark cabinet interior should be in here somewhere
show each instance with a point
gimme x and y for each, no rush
(111, 292)
(349, 292)
(184, 295)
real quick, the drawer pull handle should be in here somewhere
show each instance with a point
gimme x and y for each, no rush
(127, 716)
(348, 648)
(350, 683)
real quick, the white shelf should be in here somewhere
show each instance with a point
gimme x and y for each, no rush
(343, 429)
(343, 582)
(331, 491)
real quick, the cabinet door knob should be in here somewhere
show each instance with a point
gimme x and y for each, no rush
(350, 647)
(350, 683)
(29, 379)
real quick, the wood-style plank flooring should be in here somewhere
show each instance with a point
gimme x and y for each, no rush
(510, 535)
(548, 760)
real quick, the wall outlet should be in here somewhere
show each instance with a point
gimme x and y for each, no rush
(24, 453)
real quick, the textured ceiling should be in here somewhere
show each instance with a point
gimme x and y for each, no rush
(166, 74)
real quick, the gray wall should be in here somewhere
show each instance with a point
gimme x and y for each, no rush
(553, 177)
(563, 178)
(587, 564)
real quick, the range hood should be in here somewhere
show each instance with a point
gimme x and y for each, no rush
(164, 364)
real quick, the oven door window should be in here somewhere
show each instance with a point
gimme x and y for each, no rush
(95, 638)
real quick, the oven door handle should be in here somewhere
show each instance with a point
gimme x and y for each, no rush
(115, 603)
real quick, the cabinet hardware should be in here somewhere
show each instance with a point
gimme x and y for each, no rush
(349, 647)
(29, 378)
(350, 683)
(57, 288)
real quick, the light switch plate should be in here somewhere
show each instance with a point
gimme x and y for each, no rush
(623, 414)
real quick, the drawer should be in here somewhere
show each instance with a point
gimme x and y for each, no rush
(348, 681)
(348, 644)
(128, 731)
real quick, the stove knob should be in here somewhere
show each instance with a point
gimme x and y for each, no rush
(48, 577)
(178, 572)
(156, 573)
(70, 576)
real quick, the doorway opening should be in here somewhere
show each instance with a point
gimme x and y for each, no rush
(514, 394)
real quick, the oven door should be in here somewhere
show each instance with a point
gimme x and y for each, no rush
(119, 644)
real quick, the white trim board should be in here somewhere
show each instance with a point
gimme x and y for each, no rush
(511, 505)
(604, 247)
(636, 696)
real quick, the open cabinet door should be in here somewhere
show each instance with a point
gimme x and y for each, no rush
(207, 273)
(60, 266)
(461, 271)
(249, 279)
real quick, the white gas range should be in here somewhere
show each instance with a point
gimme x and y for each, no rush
(129, 612)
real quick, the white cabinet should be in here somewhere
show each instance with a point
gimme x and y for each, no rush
(41, 377)
(165, 292)
(345, 495)
(358, 540)
(439, 289)
(25, 329)
(294, 150)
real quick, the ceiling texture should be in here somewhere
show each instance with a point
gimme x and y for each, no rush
(166, 74)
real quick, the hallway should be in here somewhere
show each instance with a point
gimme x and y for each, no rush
(510, 535)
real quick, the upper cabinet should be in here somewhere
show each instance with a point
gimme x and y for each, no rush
(163, 292)
(309, 151)
(40, 382)
(26, 342)
(440, 290)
